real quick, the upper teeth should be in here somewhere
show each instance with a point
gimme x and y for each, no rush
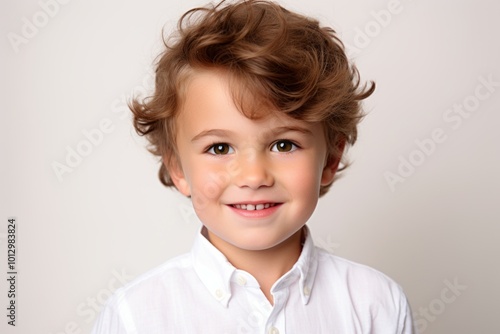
(251, 207)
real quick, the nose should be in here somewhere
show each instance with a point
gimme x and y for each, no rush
(253, 171)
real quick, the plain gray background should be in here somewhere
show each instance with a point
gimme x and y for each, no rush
(87, 231)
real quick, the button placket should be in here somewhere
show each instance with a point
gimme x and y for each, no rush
(219, 293)
(241, 280)
(273, 330)
(276, 320)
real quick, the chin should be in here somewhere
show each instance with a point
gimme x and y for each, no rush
(257, 245)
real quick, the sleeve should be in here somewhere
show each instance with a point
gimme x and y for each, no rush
(406, 325)
(111, 319)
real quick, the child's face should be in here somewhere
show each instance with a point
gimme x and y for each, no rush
(229, 164)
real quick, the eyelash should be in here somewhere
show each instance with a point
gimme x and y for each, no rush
(211, 148)
(294, 145)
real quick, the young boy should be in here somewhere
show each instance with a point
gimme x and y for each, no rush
(252, 109)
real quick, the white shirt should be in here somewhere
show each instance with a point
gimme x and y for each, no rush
(201, 292)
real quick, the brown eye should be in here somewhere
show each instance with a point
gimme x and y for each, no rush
(284, 146)
(220, 149)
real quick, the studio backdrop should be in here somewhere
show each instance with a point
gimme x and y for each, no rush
(81, 204)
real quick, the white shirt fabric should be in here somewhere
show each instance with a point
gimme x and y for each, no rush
(201, 292)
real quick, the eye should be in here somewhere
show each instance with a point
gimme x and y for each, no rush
(284, 146)
(220, 149)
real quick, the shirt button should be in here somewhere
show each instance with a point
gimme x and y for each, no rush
(273, 330)
(241, 280)
(307, 291)
(219, 293)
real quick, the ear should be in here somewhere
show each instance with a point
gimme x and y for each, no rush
(176, 173)
(332, 166)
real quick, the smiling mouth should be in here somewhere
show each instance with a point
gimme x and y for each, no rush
(254, 207)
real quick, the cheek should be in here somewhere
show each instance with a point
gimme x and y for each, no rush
(304, 177)
(208, 184)
(308, 185)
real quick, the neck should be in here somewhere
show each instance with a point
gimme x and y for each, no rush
(266, 265)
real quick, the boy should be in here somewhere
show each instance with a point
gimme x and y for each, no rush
(252, 109)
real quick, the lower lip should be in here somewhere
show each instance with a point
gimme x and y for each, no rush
(255, 213)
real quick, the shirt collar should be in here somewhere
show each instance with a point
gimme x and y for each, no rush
(212, 267)
(215, 271)
(304, 269)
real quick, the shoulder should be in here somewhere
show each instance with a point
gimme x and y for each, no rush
(360, 284)
(145, 297)
(170, 273)
(152, 288)
(373, 296)
(330, 265)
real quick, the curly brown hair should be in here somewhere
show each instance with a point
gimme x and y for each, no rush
(276, 58)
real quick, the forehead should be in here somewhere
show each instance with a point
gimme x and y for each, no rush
(210, 101)
(247, 94)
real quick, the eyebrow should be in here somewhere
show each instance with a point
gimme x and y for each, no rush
(274, 132)
(283, 129)
(211, 132)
